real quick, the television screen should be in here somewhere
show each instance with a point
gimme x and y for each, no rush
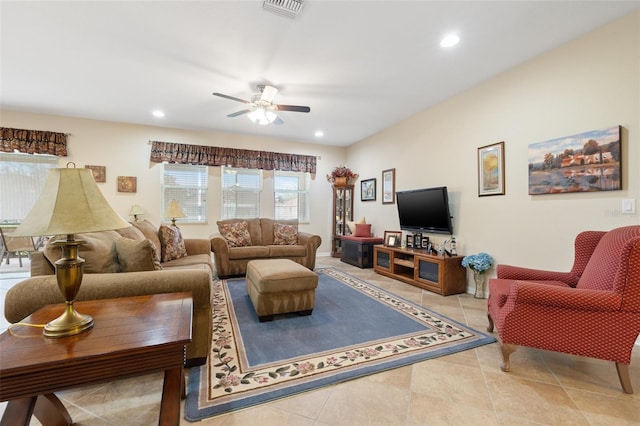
(425, 210)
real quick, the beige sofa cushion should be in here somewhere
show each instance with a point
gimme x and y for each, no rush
(98, 251)
(132, 233)
(151, 233)
(251, 252)
(135, 256)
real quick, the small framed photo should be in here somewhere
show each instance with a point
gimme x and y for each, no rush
(491, 170)
(127, 184)
(393, 238)
(99, 173)
(389, 186)
(368, 189)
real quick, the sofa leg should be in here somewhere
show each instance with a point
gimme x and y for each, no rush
(506, 350)
(265, 318)
(490, 326)
(623, 375)
(305, 312)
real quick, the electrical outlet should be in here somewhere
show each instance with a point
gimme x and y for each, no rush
(628, 206)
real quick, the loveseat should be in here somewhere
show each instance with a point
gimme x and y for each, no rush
(242, 240)
(124, 263)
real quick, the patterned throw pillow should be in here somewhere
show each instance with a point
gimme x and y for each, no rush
(172, 243)
(285, 234)
(236, 233)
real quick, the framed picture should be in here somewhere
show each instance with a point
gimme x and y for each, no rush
(99, 173)
(368, 189)
(586, 162)
(389, 186)
(491, 170)
(127, 184)
(393, 238)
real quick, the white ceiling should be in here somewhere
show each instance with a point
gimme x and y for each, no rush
(361, 66)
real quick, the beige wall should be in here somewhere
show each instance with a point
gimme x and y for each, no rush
(124, 150)
(588, 84)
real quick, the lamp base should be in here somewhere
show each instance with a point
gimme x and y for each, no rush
(69, 323)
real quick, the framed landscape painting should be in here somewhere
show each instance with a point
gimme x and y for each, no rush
(491, 170)
(586, 162)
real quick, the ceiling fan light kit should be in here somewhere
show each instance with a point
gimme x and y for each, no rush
(260, 108)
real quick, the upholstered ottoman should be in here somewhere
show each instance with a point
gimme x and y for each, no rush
(278, 286)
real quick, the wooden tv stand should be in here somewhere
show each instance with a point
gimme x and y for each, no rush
(444, 275)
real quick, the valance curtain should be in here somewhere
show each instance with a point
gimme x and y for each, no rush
(217, 156)
(33, 141)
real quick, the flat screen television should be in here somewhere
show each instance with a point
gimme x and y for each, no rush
(425, 210)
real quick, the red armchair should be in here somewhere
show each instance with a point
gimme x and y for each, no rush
(592, 310)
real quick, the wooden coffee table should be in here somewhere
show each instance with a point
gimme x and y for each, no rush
(131, 336)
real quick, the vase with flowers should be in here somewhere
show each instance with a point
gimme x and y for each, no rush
(479, 264)
(342, 175)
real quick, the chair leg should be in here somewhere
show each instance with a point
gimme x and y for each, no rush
(506, 350)
(623, 375)
(490, 326)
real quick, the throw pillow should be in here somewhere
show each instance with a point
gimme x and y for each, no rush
(284, 234)
(363, 230)
(236, 233)
(150, 232)
(136, 255)
(352, 224)
(172, 243)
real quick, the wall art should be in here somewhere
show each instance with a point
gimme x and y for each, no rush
(368, 189)
(586, 162)
(389, 186)
(127, 184)
(491, 170)
(99, 173)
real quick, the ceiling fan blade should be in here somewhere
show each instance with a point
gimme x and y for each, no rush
(296, 108)
(235, 114)
(231, 97)
(268, 93)
(278, 121)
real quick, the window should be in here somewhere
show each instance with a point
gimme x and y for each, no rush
(22, 178)
(186, 184)
(291, 195)
(241, 193)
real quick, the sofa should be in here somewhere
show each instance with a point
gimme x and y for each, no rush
(241, 240)
(134, 261)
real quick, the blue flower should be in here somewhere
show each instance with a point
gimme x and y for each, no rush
(478, 262)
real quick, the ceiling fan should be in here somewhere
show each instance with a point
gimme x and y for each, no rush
(261, 108)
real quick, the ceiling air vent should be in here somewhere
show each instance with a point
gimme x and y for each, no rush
(288, 8)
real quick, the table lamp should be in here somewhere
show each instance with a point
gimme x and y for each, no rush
(174, 211)
(135, 211)
(70, 203)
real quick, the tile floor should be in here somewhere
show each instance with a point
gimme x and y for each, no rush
(467, 388)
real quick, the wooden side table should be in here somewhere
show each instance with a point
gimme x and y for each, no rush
(131, 336)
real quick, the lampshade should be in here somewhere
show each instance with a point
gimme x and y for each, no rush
(70, 203)
(135, 210)
(174, 210)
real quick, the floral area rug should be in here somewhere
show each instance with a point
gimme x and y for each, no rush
(356, 329)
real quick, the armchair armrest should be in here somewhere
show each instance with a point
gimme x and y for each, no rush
(510, 272)
(524, 292)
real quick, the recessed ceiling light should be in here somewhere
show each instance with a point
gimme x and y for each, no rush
(450, 40)
(157, 113)
(319, 134)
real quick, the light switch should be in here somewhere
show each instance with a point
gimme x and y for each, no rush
(628, 206)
